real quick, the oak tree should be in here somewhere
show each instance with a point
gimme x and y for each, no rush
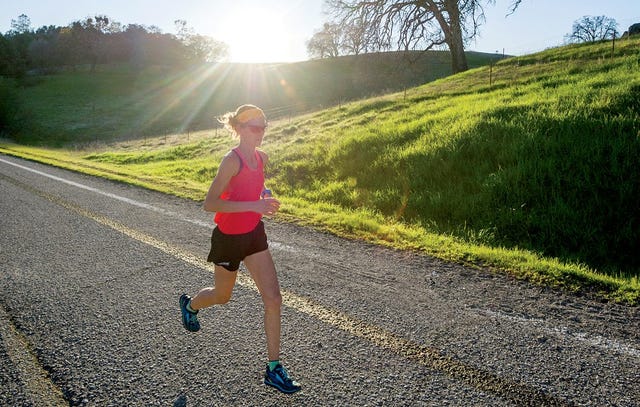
(417, 24)
(590, 29)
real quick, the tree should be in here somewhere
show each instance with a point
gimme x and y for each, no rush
(514, 6)
(136, 35)
(21, 34)
(590, 29)
(70, 47)
(356, 39)
(417, 24)
(199, 48)
(44, 52)
(325, 43)
(21, 26)
(8, 57)
(335, 40)
(184, 31)
(94, 37)
(206, 49)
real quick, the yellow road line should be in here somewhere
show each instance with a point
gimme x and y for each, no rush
(424, 355)
(38, 387)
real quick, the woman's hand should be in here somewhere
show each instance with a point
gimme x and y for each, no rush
(268, 206)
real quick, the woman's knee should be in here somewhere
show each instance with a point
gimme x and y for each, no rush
(215, 296)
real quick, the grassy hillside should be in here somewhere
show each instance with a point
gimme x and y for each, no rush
(120, 103)
(530, 167)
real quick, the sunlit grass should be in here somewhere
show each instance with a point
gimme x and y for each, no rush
(534, 173)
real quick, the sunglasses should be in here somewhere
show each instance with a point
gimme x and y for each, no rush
(255, 128)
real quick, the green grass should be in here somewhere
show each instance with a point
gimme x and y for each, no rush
(534, 174)
(117, 103)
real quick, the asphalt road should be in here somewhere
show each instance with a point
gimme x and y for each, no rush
(91, 272)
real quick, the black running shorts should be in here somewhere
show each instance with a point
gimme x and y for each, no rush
(229, 250)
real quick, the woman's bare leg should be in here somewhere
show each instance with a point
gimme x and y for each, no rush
(220, 294)
(263, 272)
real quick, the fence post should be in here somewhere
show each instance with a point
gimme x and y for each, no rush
(613, 44)
(490, 73)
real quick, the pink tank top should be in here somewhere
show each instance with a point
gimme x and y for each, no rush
(244, 186)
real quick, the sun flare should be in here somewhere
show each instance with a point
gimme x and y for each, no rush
(257, 35)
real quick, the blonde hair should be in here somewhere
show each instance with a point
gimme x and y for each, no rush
(243, 114)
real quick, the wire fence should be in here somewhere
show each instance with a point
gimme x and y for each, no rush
(287, 112)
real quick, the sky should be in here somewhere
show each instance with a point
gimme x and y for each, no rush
(277, 30)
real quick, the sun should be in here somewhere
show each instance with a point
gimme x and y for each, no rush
(257, 35)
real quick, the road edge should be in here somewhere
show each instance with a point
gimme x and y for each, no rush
(38, 386)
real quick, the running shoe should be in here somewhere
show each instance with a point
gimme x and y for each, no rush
(279, 378)
(189, 319)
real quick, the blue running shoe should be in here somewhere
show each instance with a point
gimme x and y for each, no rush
(279, 378)
(189, 319)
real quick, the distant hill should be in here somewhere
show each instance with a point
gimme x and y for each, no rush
(326, 82)
(117, 102)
